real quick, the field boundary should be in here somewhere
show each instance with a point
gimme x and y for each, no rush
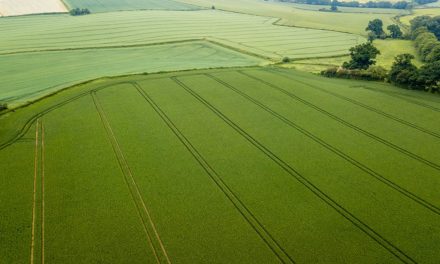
(145, 215)
(331, 148)
(391, 248)
(250, 218)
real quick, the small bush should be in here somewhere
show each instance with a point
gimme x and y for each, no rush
(3, 106)
(286, 60)
(374, 73)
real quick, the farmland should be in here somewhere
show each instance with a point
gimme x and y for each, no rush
(249, 176)
(33, 48)
(192, 131)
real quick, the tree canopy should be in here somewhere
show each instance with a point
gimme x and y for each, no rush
(376, 27)
(362, 56)
(395, 31)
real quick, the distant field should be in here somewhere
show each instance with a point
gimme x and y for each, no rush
(222, 166)
(118, 5)
(420, 12)
(345, 22)
(391, 48)
(253, 34)
(27, 76)
(25, 7)
(46, 53)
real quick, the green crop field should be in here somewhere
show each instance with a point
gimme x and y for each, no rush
(248, 165)
(43, 74)
(122, 5)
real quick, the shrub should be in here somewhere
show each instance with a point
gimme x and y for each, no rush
(286, 59)
(374, 73)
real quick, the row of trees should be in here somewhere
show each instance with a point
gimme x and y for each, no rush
(369, 4)
(425, 32)
(403, 72)
(375, 30)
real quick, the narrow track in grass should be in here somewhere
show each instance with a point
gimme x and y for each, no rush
(160, 253)
(360, 104)
(391, 248)
(346, 123)
(34, 200)
(42, 191)
(250, 218)
(331, 148)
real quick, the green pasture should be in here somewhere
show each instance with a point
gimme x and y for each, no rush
(27, 76)
(123, 5)
(222, 166)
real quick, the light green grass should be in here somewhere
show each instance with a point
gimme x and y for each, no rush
(420, 12)
(121, 5)
(27, 76)
(389, 49)
(233, 165)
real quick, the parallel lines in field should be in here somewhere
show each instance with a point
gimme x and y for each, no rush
(150, 229)
(37, 226)
(364, 106)
(259, 228)
(346, 123)
(400, 96)
(333, 149)
(390, 247)
(42, 193)
(34, 200)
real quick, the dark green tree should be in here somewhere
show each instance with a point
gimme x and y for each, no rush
(376, 26)
(395, 31)
(434, 55)
(429, 74)
(362, 56)
(403, 71)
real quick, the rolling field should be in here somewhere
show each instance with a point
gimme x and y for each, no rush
(123, 5)
(222, 166)
(26, 7)
(33, 48)
(28, 76)
(306, 16)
